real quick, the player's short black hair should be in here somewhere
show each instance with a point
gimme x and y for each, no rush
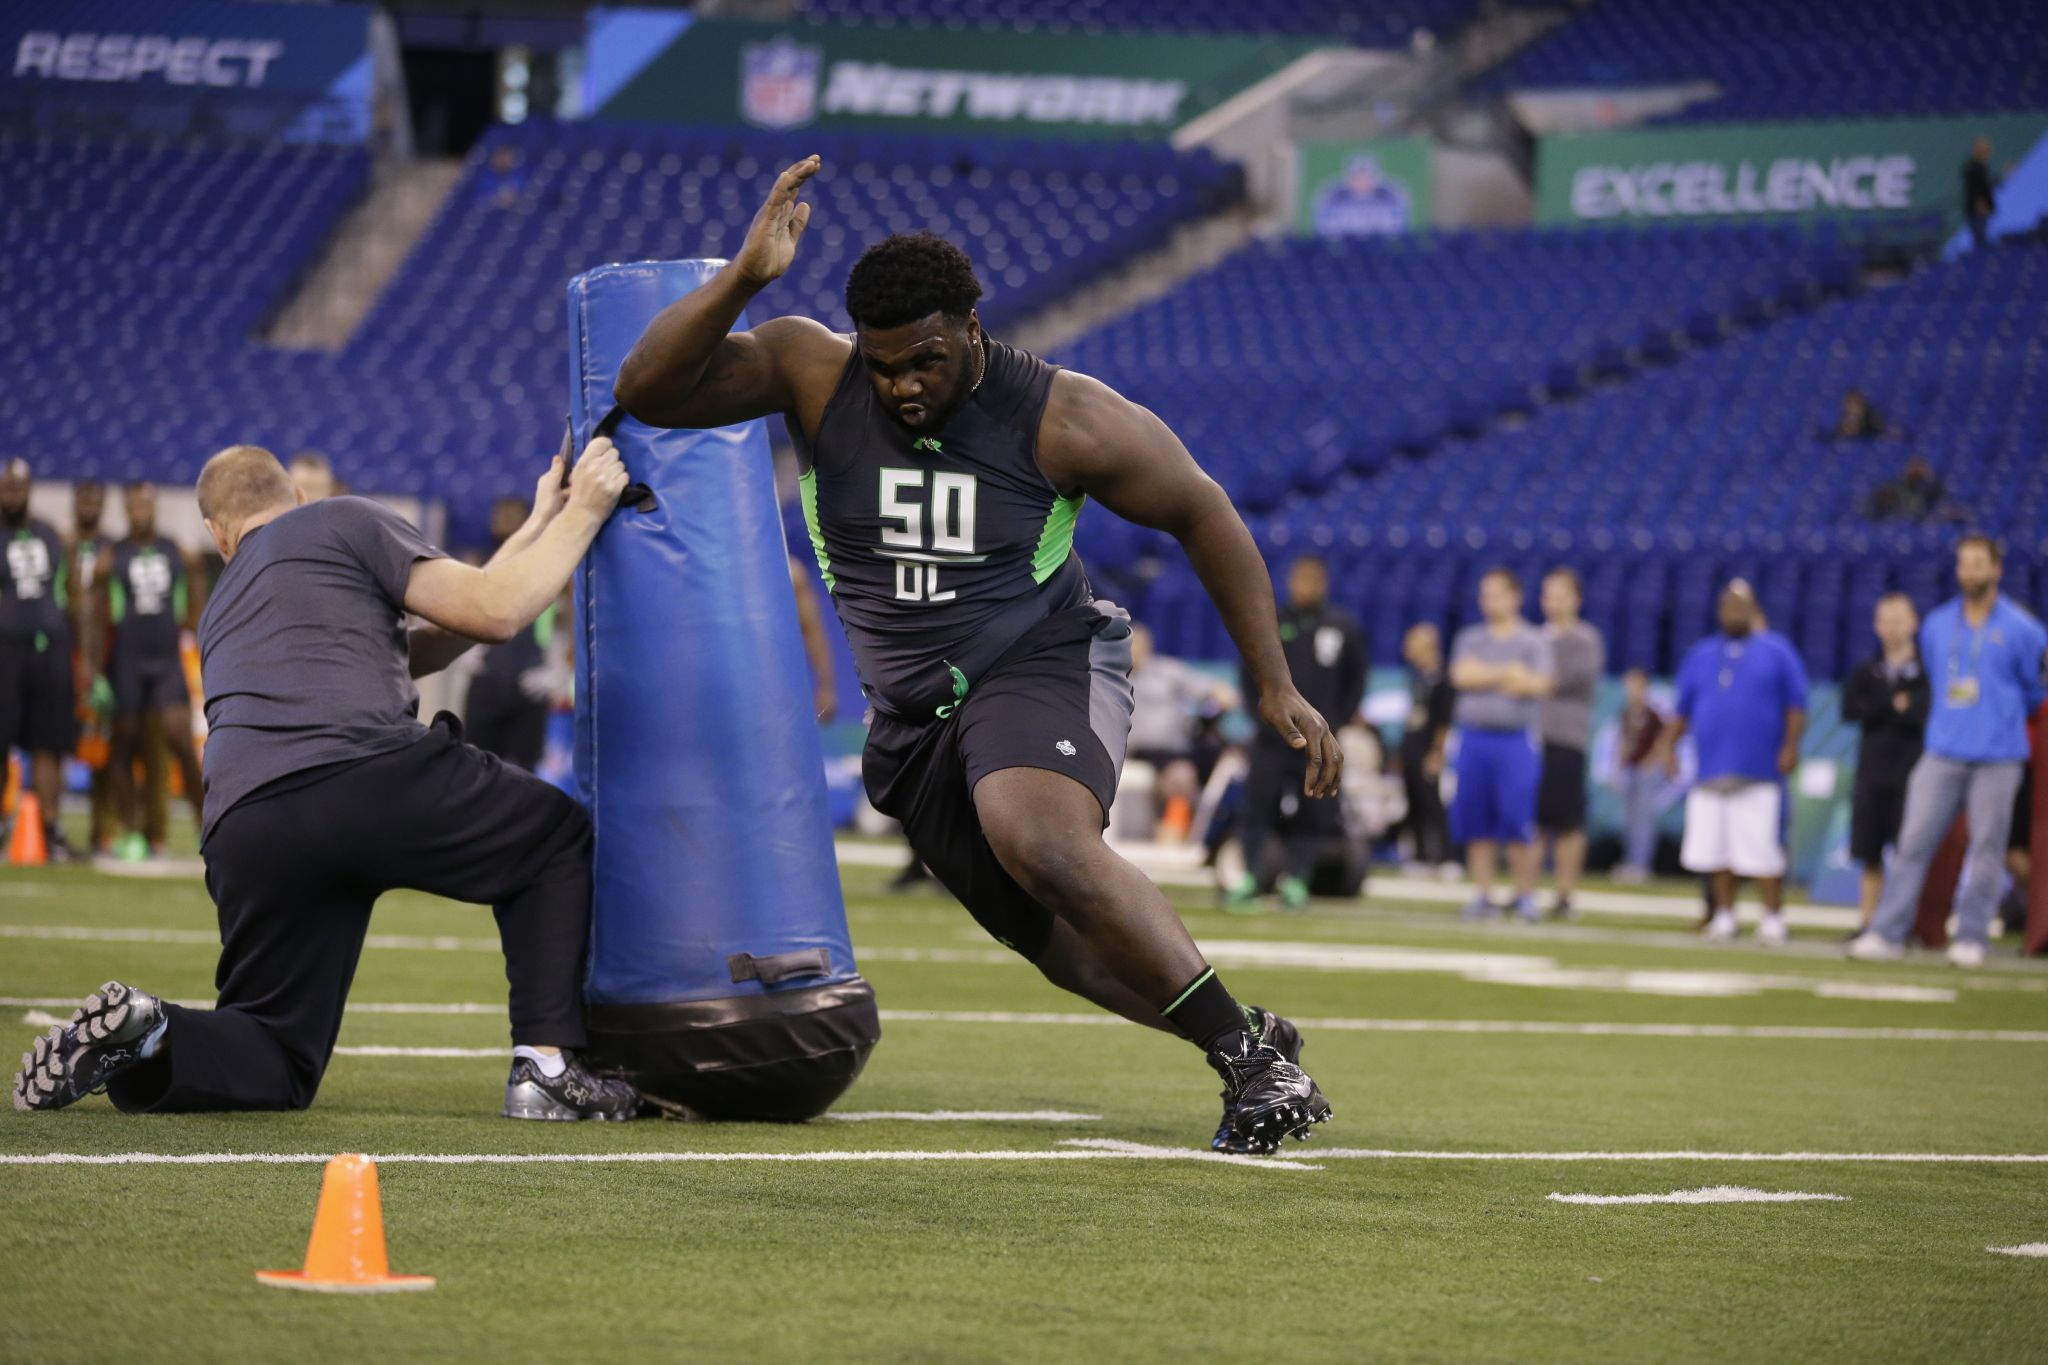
(1505, 575)
(909, 276)
(1990, 544)
(1571, 576)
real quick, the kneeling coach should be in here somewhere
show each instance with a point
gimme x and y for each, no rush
(324, 791)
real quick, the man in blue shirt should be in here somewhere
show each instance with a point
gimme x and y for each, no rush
(1503, 667)
(1742, 694)
(1985, 659)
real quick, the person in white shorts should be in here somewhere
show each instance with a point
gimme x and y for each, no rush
(1742, 695)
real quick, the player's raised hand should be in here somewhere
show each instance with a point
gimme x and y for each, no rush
(598, 479)
(1304, 728)
(771, 241)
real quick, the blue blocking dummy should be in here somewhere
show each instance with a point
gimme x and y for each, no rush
(721, 973)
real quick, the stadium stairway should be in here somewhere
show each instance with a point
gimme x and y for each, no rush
(364, 254)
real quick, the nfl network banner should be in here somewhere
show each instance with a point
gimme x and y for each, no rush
(1783, 170)
(658, 66)
(211, 67)
(1363, 189)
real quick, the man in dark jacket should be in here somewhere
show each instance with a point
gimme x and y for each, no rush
(1326, 651)
(1430, 701)
(1888, 696)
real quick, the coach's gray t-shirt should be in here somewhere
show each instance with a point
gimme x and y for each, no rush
(302, 647)
(1490, 710)
(1567, 713)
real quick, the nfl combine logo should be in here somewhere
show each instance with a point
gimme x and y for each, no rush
(779, 83)
(1066, 746)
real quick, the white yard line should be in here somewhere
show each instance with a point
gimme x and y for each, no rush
(1122, 1151)
(36, 1016)
(1794, 1158)
(966, 1116)
(2023, 1249)
(1179, 865)
(1711, 1194)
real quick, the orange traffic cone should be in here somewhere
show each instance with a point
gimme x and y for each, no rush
(346, 1254)
(26, 848)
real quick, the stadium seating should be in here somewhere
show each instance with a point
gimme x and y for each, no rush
(1813, 59)
(456, 377)
(1657, 488)
(1387, 24)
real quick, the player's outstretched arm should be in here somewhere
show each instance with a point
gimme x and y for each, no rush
(1094, 440)
(689, 370)
(498, 601)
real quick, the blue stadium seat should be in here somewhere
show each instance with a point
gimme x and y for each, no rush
(1811, 59)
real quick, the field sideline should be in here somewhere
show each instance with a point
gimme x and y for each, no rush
(1015, 1178)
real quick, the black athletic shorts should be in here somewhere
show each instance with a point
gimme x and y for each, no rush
(1876, 810)
(1058, 699)
(37, 706)
(1561, 792)
(147, 682)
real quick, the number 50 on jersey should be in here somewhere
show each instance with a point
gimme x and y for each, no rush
(918, 502)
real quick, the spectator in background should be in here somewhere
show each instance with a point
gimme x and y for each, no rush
(1639, 778)
(1980, 193)
(36, 701)
(817, 645)
(1431, 699)
(313, 476)
(502, 177)
(1502, 668)
(1578, 658)
(1327, 655)
(147, 603)
(1742, 694)
(1170, 699)
(94, 697)
(1888, 697)
(1985, 659)
(1916, 495)
(1858, 420)
(516, 684)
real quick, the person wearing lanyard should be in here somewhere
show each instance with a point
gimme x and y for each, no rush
(1985, 658)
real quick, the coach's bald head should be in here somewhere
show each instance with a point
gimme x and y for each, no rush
(242, 488)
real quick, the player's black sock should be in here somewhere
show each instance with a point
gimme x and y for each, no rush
(1205, 1012)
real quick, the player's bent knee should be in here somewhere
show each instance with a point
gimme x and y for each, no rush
(1052, 868)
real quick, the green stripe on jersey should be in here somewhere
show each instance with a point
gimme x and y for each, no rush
(1056, 541)
(808, 487)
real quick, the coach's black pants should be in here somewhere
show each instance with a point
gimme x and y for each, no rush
(294, 871)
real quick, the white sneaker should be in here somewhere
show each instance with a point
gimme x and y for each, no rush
(1771, 933)
(1963, 953)
(1721, 928)
(1872, 947)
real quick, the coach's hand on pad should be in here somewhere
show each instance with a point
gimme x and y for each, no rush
(771, 241)
(550, 496)
(1303, 727)
(598, 479)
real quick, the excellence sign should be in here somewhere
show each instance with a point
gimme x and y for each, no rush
(1765, 171)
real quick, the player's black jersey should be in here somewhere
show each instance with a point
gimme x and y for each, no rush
(146, 596)
(939, 549)
(34, 586)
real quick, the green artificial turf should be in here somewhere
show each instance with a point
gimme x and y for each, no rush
(1342, 1259)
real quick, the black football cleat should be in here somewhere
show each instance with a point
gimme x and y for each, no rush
(104, 1038)
(1266, 1096)
(573, 1095)
(1273, 1031)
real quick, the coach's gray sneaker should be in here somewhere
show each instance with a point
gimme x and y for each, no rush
(573, 1093)
(117, 1027)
